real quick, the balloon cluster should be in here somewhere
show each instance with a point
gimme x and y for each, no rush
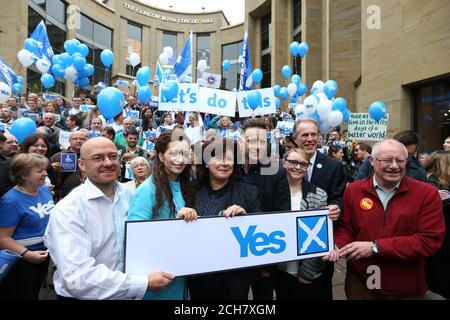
(71, 65)
(165, 56)
(143, 77)
(30, 54)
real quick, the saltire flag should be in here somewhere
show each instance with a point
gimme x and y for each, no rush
(246, 82)
(159, 74)
(45, 48)
(6, 73)
(183, 66)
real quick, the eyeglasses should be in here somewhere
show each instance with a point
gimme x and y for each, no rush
(400, 162)
(295, 163)
(100, 158)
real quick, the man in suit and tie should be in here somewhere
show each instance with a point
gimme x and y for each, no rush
(327, 174)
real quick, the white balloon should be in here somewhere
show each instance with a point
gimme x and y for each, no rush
(292, 89)
(5, 92)
(311, 104)
(134, 59)
(25, 57)
(202, 65)
(317, 86)
(71, 74)
(42, 65)
(324, 109)
(163, 59)
(168, 51)
(325, 127)
(301, 110)
(322, 96)
(335, 118)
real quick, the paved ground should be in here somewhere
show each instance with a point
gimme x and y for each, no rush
(338, 284)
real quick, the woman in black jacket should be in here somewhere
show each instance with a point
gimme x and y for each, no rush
(220, 193)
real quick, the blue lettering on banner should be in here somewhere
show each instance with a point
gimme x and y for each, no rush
(312, 235)
(213, 102)
(130, 114)
(259, 243)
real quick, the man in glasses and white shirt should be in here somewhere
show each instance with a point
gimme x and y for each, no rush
(85, 235)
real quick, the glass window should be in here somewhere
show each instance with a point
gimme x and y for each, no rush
(265, 68)
(40, 3)
(432, 114)
(57, 37)
(57, 9)
(134, 44)
(102, 35)
(170, 39)
(266, 29)
(297, 6)
(203, 49)
(231, 78)
(86, 27)
(33, 20)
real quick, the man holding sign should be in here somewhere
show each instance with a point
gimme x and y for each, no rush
(89, 256)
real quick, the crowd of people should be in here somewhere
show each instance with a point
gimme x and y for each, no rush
(389, 206)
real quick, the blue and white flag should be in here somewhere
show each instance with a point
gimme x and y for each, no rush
(183, 67)
(6, 73)
(159, 74)
(45, 48)
(246, 82)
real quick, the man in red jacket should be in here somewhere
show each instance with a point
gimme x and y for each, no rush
(391, 223)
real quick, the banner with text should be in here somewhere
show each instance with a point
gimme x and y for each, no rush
(267, 105)
(186, 99)
(217, 243)
(215, 101)
(362, 127)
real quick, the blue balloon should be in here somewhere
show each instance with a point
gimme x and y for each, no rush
(143, 76)
(16, 88)
(339, 104)
(20, 79)
(284, 93)
(286, 71)
(88, 70)
(22, 128)
(107, 58)
(257, 76)
(58, 71)
(76, 42)
(82, 82)
(296, 79)
(277, 103)
(110, 102)
(301, 89)
(83, 49)
(276, 90)
(144, 94)
(66, 59)
(295, 49)
(226, 64)
(330, 89)
(79, 63)
(70, 46)
(169, 90)
(303, 49)
(31, 45)
(254, 99)
(346, 115)
(56, 59)
(377, 110)
(47, 80)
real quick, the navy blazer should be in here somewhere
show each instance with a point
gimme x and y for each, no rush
(328, 175)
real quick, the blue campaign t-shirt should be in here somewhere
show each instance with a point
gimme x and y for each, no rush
(28, 214)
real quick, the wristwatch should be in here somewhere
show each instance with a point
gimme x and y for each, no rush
(375, 247)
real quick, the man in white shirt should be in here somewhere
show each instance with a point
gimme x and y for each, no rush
(85, 235)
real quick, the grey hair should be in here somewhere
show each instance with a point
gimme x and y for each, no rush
(377, 145)
(45, 131)
(303, 120)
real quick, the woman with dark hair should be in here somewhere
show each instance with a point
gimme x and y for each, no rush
(167, 194)
(337, 152)
(438, 266)
(24, 215)
(148, 132)
(220, 193)
(35, 143)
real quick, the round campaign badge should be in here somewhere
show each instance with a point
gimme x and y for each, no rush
(319, 166)
(366, 204)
